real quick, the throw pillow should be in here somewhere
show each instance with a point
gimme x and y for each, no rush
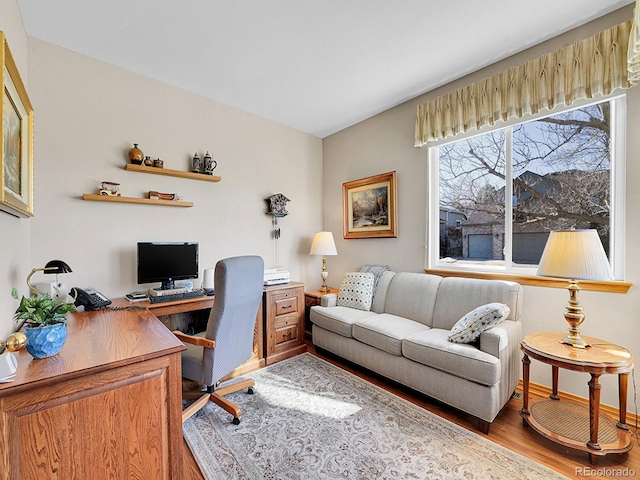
(469, 327)
(356, 290)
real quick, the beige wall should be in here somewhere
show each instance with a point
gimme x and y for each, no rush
(15, 233)
(90, 113)
(385, 142)
(87, 116)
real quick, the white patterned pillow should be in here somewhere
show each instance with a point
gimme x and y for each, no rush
(469, 327)
(356, 290)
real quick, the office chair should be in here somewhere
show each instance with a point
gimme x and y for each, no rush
(228, 340)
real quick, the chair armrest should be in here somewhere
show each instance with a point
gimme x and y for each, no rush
(198, 341)
(329, 300)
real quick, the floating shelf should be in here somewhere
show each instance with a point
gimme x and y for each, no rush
(172, 173)
(146, 201)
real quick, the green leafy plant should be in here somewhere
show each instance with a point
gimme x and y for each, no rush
(41, 311)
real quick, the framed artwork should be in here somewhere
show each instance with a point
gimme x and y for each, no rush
(370, 209)
(16, 122)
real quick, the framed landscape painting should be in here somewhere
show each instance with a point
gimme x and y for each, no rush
(16, 122)
(370, 208)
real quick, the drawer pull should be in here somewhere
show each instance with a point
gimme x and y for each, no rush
(286, 306)
(286, 334)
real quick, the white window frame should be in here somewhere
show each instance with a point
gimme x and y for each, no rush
(617, 217)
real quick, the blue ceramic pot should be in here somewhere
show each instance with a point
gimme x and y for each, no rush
(43, 342)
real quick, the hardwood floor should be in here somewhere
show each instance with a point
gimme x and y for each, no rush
(507, 430)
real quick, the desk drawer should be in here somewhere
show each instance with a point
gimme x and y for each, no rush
(285, 304)
(287, 334)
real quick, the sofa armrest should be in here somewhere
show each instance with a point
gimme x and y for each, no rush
(503, 342)
(329, 300)
(505, 335)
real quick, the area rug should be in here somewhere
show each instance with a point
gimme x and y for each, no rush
(309, 419)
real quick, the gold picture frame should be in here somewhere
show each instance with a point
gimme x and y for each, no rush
(16, 143)
(370, 207)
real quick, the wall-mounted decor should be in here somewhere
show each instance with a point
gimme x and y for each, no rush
(369, 205)
(16, 122)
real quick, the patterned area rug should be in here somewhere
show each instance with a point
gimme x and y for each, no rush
(309, 419)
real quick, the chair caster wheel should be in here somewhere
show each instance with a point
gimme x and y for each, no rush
(250, 391)
(236, 421)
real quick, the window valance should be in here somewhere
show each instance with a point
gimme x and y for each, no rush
(591, 67)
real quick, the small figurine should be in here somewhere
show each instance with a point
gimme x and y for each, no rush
(110, 189)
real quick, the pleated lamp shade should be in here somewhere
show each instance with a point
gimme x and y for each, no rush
(576, 255)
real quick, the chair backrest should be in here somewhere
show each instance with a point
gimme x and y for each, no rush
(238, 283)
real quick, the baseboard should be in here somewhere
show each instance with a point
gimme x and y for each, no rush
(613, 412)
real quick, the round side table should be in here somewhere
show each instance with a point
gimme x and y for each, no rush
(567, 423)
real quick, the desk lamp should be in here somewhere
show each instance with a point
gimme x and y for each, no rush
(323, 244)
(574, 255)
(53, 266)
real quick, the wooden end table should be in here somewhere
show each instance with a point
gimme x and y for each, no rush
(565, 422)
(311, 298)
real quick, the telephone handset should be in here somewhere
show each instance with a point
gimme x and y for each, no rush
(90, 298)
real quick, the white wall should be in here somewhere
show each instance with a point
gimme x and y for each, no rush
(385, 142)
(15, 233)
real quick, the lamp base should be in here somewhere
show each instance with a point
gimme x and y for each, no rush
(574, 317)
(575, 341)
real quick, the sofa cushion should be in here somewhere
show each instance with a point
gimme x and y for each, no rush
(337, 319)
(412, 296)
(470, 326)
(432, 348)
(356, 290)
(385, 332)
(457, 296)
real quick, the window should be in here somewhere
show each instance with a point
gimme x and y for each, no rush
(498, 194)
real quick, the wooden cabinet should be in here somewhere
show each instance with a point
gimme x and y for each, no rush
(283, 312)
(311, 298)
(107, 406)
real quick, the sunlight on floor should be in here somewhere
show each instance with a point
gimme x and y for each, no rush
(287, 395)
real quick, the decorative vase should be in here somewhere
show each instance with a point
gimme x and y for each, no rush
(148, 162)
(135, 155)
(209, 164)
(44, 342)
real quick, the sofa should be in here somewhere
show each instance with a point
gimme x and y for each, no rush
(404, 336)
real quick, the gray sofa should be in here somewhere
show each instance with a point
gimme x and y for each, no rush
(404, 337)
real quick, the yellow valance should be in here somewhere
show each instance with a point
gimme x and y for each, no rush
(591, 67)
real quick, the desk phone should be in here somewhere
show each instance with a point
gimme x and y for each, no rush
(90, 298)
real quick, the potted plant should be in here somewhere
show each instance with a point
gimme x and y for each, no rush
(45, 322)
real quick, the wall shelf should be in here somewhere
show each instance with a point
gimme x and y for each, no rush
(172, 173)
(146, 201)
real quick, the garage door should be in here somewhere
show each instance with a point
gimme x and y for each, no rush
(528, 247)
(481, 246)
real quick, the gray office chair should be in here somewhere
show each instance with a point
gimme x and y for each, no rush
(228, 340)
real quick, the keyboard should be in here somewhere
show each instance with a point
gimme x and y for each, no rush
(176, 296)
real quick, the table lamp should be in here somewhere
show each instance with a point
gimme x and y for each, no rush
(53, 266)
(574, 255)
(324, 245)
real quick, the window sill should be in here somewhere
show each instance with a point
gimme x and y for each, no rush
(614, 286)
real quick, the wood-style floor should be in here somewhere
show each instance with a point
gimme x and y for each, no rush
(507, 430)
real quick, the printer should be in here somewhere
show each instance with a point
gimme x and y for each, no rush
(276, 276)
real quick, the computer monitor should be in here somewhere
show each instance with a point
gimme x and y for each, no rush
(166, 262)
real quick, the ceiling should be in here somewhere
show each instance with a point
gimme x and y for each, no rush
(315, 65)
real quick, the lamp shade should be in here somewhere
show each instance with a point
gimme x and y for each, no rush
(575, 254)
(323, 244)
(57, 266)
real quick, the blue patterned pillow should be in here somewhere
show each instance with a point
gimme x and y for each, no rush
(469, 327)
(356, 290)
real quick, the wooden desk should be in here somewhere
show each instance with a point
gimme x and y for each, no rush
(561, 422)
(107, 406)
